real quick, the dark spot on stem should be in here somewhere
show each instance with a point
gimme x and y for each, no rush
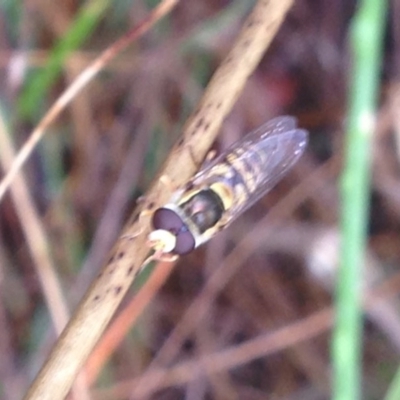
(118, 290)
(111, 260)
(246, 43)
(199, 123)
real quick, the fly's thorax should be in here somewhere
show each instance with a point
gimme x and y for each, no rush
(224, 192)
(203, 208)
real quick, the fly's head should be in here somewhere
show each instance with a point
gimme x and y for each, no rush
(171, 234)
(179, 227)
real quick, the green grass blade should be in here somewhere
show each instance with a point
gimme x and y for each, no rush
(39, 83)
(394, 390)
(366, 44)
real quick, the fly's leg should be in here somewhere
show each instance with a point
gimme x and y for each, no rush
(166, 257)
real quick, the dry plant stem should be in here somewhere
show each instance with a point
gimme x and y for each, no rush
(35, 236)
(105, 294)
(83, 79)
(38, 247)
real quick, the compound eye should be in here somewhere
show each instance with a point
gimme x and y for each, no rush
(185, 243)
(168, 220)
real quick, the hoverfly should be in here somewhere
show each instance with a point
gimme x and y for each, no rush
(225, 188)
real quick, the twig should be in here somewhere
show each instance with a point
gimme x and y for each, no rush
(35, 236)
(127, 256)
(38, 242)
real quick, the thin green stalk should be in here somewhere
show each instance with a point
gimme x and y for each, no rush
(81, 27)
(366, 44)
(394, 390)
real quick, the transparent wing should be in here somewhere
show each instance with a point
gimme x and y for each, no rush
(272, 127)
(279, 153)
(253, 165)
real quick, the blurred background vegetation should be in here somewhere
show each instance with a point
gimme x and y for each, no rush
(280, 258)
